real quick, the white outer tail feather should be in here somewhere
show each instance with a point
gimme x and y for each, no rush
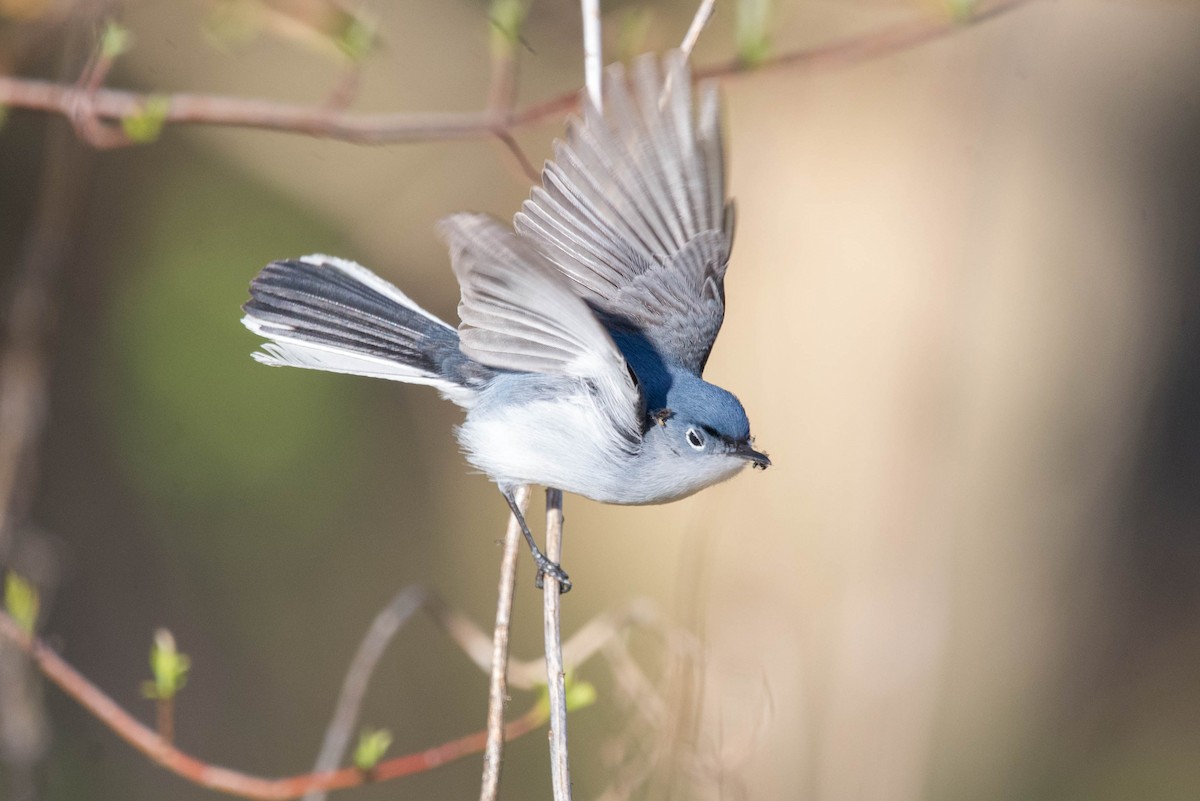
(287, 351)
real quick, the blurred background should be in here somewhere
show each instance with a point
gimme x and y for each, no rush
(963, 315)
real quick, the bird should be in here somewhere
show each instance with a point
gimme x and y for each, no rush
(584, 328)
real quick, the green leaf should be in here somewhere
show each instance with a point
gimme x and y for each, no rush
(146, 125)
(372, 745)
(170, 668)
(358, 38)
(115, 39)
(753, 37)
(507, 18)
(21, 601)
(580, 694)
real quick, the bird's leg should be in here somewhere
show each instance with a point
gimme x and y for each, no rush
(544, 565)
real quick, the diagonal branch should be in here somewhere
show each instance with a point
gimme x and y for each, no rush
(593, 638)
(147, 741)
(397, 127)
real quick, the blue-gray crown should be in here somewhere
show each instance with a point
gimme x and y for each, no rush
(695, 400)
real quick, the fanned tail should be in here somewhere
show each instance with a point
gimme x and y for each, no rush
(326, 313)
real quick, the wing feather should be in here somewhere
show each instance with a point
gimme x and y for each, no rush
(633, 209)
(519, 313)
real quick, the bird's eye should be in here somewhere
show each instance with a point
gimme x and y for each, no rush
(694, 439)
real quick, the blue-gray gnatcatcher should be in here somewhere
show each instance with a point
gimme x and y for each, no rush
(584, 333)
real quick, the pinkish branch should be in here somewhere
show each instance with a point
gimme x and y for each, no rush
(114, 105)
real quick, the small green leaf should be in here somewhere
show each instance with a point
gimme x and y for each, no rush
(146, 125)
(372, 745)
(753, 37)
(580, 694)
(358, 38)
(115, 40)
(21, 600)
(170, 668)
(508, 18)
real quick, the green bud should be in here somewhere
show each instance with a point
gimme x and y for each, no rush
(507, 18)
(115, 40)
(753, 38)
(580, 694)
(372, 745)
(146, 125)
(21, 601)
(169, 667)
(357, 38)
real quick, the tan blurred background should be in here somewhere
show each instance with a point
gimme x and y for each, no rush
(963, 318)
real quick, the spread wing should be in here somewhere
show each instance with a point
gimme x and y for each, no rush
(633, 209)
(519, 313)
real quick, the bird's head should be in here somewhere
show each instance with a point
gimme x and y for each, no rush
(703, 421)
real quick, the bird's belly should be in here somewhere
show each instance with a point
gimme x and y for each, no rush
(553, 443)
(570, 447)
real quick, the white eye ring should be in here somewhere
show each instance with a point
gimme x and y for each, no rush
(695, 440)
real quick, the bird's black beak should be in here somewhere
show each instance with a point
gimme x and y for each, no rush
(744, 450)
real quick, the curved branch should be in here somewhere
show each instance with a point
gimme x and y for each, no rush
(365, 128)
(145, 739)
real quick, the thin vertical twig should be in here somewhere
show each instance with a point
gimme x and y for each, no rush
(560, 772)
(493, 753)
(703, 15)
(591, 50)
(28, 321)
(383, 628)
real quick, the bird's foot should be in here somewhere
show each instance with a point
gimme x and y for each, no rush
(546, 567)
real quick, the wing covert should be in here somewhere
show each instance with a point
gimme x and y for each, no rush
(518, 313)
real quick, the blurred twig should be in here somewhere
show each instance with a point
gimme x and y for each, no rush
(28, 322)
(222, 779)
(498, 686)
(502, 91)
(354, 687)
(364, 128)
(590, 640)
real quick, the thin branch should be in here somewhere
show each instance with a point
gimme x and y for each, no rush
(502, 96)
(560, 772)
(213, 777)
(364, 128)
(523, 161)
(595, 637)
(592, 52)
(493, 754)
(354, 687)
(868, 47)
(703, 15)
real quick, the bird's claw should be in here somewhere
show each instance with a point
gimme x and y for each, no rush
(545, 566)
